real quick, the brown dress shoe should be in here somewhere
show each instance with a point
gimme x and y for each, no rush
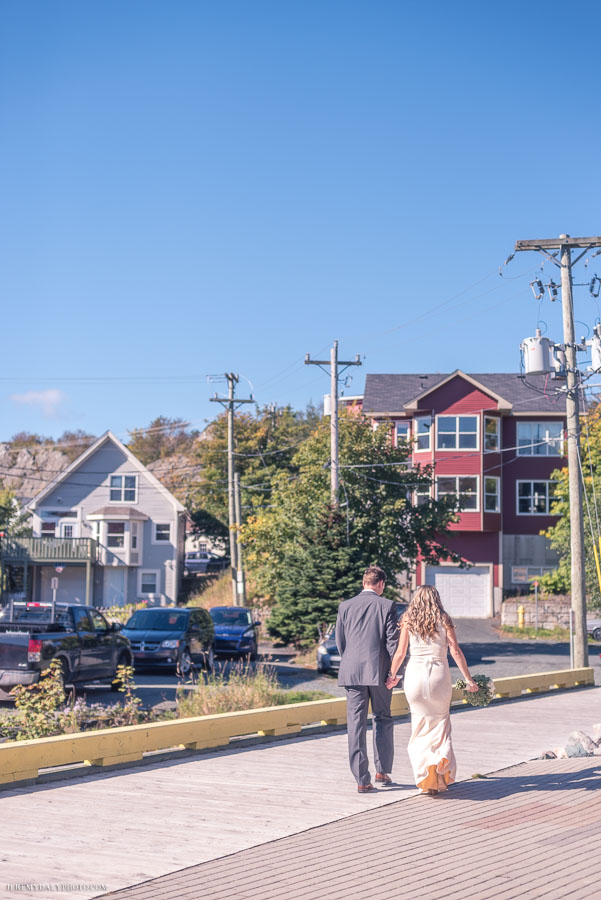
(367, 789)
(383, 779)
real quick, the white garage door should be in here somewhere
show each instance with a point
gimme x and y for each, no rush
(464, 592)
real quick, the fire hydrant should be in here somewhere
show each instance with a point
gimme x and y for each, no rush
(521, 615)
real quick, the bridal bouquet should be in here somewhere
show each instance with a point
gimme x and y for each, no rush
(485, 693)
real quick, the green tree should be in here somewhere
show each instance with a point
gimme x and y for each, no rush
(163, 437)
(376, 517)
(13, 521)
(321, 568)
(265, 444)
(559, 581)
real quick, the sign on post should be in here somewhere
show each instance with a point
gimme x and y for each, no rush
(54, 584)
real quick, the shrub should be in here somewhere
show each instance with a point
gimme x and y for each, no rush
(243, 689)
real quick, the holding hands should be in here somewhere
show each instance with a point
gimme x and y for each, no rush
(393, 680)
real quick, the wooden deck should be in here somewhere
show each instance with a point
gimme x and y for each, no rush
(113, 830)
(525, 832)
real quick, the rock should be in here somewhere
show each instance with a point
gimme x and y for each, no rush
(580, 744)
(597, 732)
(560, 753)
(548, 754)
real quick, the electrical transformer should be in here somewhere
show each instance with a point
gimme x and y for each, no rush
(537, 354)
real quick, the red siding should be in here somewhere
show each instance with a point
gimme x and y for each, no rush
(457, 396)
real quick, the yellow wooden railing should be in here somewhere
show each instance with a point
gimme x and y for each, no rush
(22, 760)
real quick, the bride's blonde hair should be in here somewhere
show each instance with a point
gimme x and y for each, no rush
(425, 613)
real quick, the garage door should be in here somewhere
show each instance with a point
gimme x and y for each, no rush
(464, 593)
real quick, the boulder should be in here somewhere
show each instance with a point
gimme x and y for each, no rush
(548, 754)
(597, 732)
(560, 753)
(580, 744)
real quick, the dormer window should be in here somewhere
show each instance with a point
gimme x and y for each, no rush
(123, 488)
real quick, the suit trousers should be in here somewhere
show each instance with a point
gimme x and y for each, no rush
(357, 703)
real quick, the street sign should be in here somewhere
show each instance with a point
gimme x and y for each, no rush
(535, 583)
(54, 584)
(58, 569)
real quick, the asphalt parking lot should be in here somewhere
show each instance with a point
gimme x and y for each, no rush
(487, 653)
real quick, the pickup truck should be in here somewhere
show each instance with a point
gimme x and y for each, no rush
(33, 634)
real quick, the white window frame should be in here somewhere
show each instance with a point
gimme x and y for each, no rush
(422, 490)
(404, 423)
(120, 546)
(123, 488)
(531, 481)
(153, 594)
(417, 435)
(457, 448)
(47, 525)
(496, 449)
(457, 492)
(161, 542)
(530, 449)
(497, 493)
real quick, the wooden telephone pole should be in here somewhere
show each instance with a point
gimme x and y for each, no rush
(562, 258)
(230, 403)
(334, 373)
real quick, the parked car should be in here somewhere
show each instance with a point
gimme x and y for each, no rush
(87, 647)
(593, 627)
(168, 637)
(235, 631)
(199, 562)
(328, 656)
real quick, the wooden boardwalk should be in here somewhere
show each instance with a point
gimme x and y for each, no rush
(533, 830)
(112, 830)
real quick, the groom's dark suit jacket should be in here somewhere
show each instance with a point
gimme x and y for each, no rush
(367, 635)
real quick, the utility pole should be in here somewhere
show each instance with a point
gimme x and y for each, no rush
(240, 580)
(230, 403)
(563, 249)
(334, 373)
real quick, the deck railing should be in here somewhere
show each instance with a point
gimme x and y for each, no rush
(48, 549)
(22, 760)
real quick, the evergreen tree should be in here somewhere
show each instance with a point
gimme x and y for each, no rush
(321, 571)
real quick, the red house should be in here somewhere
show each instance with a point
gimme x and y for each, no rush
(494, 441)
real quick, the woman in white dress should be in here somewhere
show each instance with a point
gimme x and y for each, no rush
(428, 631)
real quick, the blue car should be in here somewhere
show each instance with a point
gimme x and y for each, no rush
(235, 631)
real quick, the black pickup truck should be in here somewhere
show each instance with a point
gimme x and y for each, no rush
(33, 634)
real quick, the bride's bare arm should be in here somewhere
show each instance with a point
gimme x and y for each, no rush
(399, 656)
(457, 654)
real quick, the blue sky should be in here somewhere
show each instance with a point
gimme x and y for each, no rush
(190, 188)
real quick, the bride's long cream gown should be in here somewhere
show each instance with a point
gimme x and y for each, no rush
(428, 689)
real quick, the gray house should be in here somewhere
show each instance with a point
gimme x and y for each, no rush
(106, 532)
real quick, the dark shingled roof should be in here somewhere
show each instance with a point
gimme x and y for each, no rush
(390, 393)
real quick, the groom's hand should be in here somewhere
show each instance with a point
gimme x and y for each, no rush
(392, 682)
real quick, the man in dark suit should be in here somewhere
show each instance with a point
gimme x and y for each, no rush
(367, 635)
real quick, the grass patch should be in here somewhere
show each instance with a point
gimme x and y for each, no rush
(530, 633)
(302, 696)
(217, 593)
(242, 689)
